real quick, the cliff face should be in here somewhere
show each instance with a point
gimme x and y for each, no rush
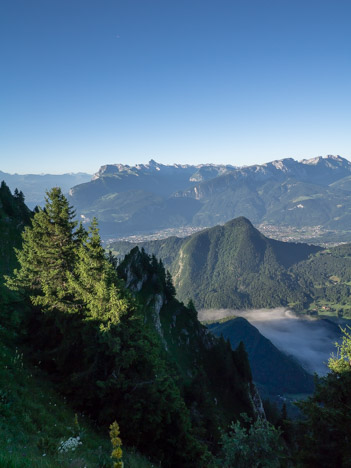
(215, 380)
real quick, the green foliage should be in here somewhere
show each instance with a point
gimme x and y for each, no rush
(144, 360)
(12, 206)
(326, 277)
(325, 431)
(14, 216)
(47, 254)
(252, 444)
(242, 360)
(93, 283)
(35, 420)
(213, 379)
(341, 363)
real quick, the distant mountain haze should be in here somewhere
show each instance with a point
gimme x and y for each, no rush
(147, 198)
(35, 185)
(150, 197)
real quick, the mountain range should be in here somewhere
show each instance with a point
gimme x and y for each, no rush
(151, 197)
(147, 198)
(35, 185)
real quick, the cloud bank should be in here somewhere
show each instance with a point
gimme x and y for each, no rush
(311, 341)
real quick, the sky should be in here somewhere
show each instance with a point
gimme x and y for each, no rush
(90, 82)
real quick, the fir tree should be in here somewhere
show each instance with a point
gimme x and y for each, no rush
(94, 283)
(170, 289)
(47, 254)
(18, 195)
(192, 308)
(242, 361)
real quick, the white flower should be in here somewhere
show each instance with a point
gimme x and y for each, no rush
(70, 444)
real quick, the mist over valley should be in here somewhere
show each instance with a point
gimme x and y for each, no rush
(309, 340)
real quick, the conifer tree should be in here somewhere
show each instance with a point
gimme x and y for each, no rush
(93, 282)
(170, 289)
(192, 308)
(242, 361)
(19, 196)
(47, 254)
(6, 199)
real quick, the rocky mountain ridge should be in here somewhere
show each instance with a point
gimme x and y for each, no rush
(147, 198)
(200, 172)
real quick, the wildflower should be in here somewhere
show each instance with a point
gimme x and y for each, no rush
(116, 454)
(69, 445)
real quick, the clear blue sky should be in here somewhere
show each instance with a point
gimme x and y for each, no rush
(89, 82)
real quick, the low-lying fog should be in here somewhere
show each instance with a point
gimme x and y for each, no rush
(309, 340)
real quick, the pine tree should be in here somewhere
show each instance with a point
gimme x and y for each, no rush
(18, 195)
(170, 289)
(192, 308)
(47, 254)
(242, 361)
(94, 283)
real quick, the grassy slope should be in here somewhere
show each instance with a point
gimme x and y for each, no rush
(34, 420)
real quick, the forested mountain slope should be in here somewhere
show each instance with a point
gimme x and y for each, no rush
(208, 370)
(37, 426)
(123, 350)
(327, 278)
(14, 215)
(231, 266)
